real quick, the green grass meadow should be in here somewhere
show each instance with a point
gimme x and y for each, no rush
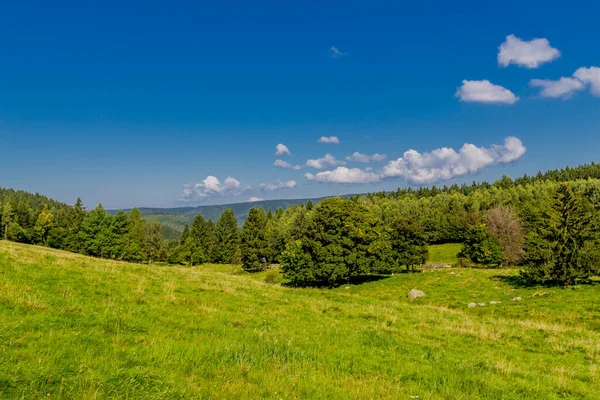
(444, 253)
(74, 327)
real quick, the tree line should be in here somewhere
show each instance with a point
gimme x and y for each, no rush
(547, 224)
(549, 227)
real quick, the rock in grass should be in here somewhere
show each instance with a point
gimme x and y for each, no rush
(481, 304)
(471, 305)
(517, 299)
(414, 293)
(495, 302)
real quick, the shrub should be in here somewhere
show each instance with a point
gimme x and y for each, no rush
(272, 277)
(463, 262)
(481, 248)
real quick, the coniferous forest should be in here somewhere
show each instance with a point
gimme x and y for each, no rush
(547, 224)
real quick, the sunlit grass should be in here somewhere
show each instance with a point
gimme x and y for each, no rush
(76, 327)
(444, 253)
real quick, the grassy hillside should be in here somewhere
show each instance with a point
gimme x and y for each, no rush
(75, 327)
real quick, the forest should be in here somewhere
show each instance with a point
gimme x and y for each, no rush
(546, 224)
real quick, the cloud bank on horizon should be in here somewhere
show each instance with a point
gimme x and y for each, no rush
(413, 167)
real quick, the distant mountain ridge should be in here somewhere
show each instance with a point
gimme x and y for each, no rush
(174, 219)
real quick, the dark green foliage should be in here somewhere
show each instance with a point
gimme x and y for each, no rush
(253, 244)
(481, 248)
(91, 232)
(226, 239)
(185, 235)
(335, 245)
(563, 245)
(15, 233)
(408, 244)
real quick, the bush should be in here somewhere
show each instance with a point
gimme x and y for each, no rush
(480, 247)
(463, 262)
(272, 277)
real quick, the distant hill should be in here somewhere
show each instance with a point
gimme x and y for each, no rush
(174, 219)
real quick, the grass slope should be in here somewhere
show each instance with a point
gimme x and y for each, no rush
(75, 327)
(444, 253)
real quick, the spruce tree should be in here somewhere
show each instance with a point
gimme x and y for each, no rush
(91, 228)
(185, 235)
(561, 249)
(227, 239)
(75, 218)
(253, 244)
(7, 217)
(137, 237)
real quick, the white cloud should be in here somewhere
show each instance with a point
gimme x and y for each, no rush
(590, 76)
(563, 88)
(378, 157)
(364, 158)
(329, 140)
(445, 163)
(286, 165)
(344, 175)
(485, 92)
(211, 186)
(336, 53)
(254, 199)
(327, 161)
(277, 185)
(358, 157)
(528, 54)
(282, 149)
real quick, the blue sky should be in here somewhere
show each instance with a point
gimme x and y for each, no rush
(125, 102)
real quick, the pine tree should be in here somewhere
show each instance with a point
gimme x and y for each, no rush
(75, 218)
(137, 237)
(227, 240)
(153, 235)
(121, 226)
(7, 217)
(253, 244)
(561, 247)
(185, 235)
(91, 228)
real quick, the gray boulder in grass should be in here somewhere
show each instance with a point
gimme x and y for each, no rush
(414, 293)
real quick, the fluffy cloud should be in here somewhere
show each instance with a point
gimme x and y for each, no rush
(563, 88)
(590, 76)
(254, 199)
(282, 149)
(327, 161)
(445, 163)
(528, 54)
(378, 157)
(286, 165)
(364, 158)
(329, 140)
(211, 186)
(344, 175)
(277, 185)
(337, 53)
(485, 92)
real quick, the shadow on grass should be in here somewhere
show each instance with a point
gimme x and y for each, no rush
(518, 282)
(356, 280)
